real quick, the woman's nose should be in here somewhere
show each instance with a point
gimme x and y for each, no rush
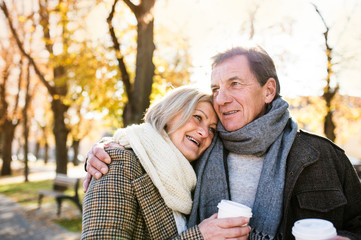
(203, 131)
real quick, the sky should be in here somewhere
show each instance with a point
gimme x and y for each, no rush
(290, 31)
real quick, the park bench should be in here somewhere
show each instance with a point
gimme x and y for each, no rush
(63, 182)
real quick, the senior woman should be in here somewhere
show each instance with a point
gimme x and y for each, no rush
(147, 191)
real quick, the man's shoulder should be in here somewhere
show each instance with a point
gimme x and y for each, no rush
(316, 140)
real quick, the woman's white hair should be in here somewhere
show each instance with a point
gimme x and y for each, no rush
(182, 99)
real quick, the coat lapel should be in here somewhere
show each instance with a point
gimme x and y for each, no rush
(297, 160)
(158, 218)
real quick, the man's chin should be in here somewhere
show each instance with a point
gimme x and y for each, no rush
(231, 127)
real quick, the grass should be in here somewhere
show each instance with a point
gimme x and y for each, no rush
(73, 225)
(27, 194)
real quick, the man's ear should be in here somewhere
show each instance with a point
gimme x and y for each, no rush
(270, 90)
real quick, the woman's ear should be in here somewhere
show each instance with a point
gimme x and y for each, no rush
(270, 90)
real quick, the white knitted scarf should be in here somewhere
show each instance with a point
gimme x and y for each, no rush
(166, 166)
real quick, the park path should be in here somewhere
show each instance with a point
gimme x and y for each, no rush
(18, 222)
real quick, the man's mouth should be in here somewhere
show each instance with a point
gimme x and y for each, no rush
(193, 140)
(231, 112)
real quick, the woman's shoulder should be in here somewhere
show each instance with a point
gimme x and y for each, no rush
(121, 154)
(126, 159)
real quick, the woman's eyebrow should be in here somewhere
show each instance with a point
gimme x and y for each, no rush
(202, 112)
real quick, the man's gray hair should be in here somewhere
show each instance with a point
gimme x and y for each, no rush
(261, 64)
(183, 99)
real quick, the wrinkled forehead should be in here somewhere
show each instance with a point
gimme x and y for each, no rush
(235, 66)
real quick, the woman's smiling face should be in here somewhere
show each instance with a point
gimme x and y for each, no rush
(195, 136)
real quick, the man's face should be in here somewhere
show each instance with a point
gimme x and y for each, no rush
(238, 98)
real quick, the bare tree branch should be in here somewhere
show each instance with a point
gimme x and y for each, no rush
(4, 76)
(44, 22)
(319, 13)
(21, 48)
(328, 92)
(19, 86)
(252, 16)
(122, 67)
(132, 6)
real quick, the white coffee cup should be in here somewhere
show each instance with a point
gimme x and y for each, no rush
(313, 229)
(227, 208)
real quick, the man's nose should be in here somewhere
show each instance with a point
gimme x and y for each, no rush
(222, 97)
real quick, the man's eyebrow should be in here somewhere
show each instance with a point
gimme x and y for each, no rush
(203, 113)
(233, 78)
(229, 79)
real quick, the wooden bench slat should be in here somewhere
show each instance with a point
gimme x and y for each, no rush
(51, 193)
(64, 180)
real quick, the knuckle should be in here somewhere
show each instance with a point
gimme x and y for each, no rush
(96, 151)
(91, 171)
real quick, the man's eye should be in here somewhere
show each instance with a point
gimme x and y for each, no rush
(215, 90)
(235, 83)
(212, 130)
(199, 118)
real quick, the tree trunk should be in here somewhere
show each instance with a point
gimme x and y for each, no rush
(329, 127)
(142, 88)
(75, 147)
(61, 134)
(26, 150)
(1, 141)
(328, 92)
(46, 152)
(8, 134)
(37, 150)
(26, 127)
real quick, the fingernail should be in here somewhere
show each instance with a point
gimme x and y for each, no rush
(97, 175)
(103, 170)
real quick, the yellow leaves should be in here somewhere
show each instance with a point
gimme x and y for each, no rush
(310, 112)
(328, 52)
(118, 54)
(63, 6)
(22, 19)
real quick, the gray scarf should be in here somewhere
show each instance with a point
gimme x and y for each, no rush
(273, 135)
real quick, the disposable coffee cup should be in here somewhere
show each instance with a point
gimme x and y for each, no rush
(313, 229)
(227, 208)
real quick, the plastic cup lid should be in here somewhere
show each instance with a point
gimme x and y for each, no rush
(231, 206)
(312, 228)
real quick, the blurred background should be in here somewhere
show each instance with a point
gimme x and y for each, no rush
(73, 71)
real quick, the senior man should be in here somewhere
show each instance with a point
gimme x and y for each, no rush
(260, 159)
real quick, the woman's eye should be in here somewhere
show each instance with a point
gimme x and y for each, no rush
(212, 130)
(199, 118)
